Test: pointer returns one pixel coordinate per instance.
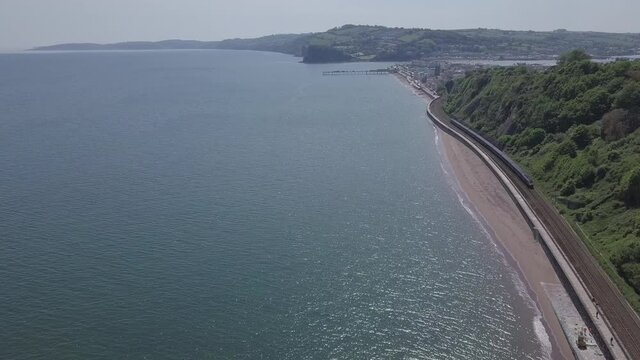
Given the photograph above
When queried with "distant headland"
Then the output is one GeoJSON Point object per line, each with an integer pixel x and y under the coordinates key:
{"type": "Point", "coordinates": [379, 43]}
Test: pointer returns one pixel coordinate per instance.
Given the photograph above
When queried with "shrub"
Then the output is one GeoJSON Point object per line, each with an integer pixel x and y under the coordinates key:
{"type": "Point", "coordinates": [584, 216]}
{"type": "Point", "coordinates": [634, 74]}
{"type": "Point", "coordinates": [567, 147]}
{"type": "Point", "coordinates": [614, 155]}
{"type": "Point", "coordinates": [573, 56]}
{"type": "Point", "coordinates": [568, 189]}
{"type": "Point", "coordinates": [505, 140]}
{"type": "Point", "coordinates": [581, 135]}
{"type": "Point", "coordinates": [631, 272]}
{"type": "Point", "coordinates": [628, 97]}
{"type": "Point", "coordinates": [586, 177]}
{"type": "Point", "coordinates": [549, 161]}
{"type": "Point", "coordinates": [631, 187]}
{"type": "Point", "coordinates": [530, 137]}
{"type": "Point", "coordinates": [628, 263]}
{"type": "Point", "coordinates": [602, 171]}
{"type": "Point", "coordinates": [619, 123]}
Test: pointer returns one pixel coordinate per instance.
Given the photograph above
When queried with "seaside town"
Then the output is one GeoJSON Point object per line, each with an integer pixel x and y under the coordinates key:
{"type": "Point", "coordinates": [434, 75]}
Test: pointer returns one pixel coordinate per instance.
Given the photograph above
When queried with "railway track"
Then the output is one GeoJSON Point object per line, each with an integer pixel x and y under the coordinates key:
{"type": "Point", "coordinates": [622, 319]}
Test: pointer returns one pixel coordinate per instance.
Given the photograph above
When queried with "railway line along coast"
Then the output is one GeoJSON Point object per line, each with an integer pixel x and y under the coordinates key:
{"type": "Point", "coordinates": [603, 307]}
{"type": "Point", "coordinates": [617, 324]}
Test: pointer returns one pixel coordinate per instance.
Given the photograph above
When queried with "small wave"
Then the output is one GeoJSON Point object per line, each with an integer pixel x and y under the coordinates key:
{"type": "Point", "coordinates": [538, 326]}
{"type": "Point", "coordinates": [543, 336]}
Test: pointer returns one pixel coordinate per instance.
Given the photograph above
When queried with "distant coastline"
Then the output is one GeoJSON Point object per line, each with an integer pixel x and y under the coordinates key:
{"type": "Point", "coordinates": [377, 43]}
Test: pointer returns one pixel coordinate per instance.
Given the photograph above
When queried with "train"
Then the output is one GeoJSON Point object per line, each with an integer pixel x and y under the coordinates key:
{"type": "Point", "coordinates": [499, 153]}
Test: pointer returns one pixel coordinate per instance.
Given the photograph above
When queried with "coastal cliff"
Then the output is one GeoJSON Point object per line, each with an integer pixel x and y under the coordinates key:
{"type": "Point", "coordinates": [575, 127]}
{"type": "Point", "coordinates": [323, 54]}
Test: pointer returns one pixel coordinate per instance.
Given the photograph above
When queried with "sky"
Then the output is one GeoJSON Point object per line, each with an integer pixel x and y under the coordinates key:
{"type": "Point", "coordinates": [28, 23]}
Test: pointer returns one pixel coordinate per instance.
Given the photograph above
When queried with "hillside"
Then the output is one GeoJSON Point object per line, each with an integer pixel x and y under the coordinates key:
{"type": "Point", "coordinates": [379, 43]}
{"type": "Point", "coordinates": [575, 127]}
{"type": "Point", "coordinates": [286, 43]}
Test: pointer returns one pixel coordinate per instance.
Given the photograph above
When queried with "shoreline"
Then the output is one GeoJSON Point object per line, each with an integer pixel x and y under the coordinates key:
{"type": "Point", "coordinates": [490, 204]}
{"type": "Point", "coordinates": [508, 229]}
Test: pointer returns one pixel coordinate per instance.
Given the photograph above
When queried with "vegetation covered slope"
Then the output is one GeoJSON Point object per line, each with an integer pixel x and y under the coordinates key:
{"type": "Point", "coordinates": [379, 43]}
{"type": "Point", "coordinates": [576, 128]}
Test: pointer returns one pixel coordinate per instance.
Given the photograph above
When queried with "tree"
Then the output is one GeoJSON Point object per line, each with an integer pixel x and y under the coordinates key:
{"type": "Point", "coordinates": [530, 137]}
{"type": "Point", "coordinates": [567, 147]}
{"type": "Point", "coordinates": [628, 97]}
{"type": "Point", "coordinates": [573, 56]}
{"type": "Point", "coordinates": [631, 187]}
{"type": "Point", "coordinates": [581, 135]}
{"type": "Point", "coordinates": [618, 123]}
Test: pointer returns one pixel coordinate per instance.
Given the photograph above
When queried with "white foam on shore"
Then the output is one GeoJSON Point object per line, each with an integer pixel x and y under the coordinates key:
{"type": "Point", "coordinates": [521, 288]}
{"type": "Point", "coordinates": [543, 336]}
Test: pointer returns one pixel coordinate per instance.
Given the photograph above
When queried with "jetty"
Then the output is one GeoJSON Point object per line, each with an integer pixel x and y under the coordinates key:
{"type": "Point", "coordinates": [358, 72]}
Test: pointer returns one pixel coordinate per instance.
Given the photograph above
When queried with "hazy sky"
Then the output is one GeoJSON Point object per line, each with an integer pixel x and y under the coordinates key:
{"type": "Point", "coordinates": [27, 23]}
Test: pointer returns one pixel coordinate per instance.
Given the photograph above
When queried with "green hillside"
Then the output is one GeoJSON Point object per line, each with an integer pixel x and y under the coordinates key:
{"type": "Point", "coordinates": [379, 43]}
{"type": "Point", "coordinates": [575, 127]}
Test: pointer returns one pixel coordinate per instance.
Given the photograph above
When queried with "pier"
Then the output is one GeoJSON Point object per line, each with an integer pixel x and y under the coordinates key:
{"type": "Point", "coordinates": [357, 72]}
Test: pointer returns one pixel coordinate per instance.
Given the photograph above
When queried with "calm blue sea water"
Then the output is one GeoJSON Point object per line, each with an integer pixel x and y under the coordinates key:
{"type": "Point", "coordinates": [212, 204]}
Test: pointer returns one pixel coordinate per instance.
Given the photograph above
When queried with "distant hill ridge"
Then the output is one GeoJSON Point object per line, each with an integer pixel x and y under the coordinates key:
{"type": "Point", "coordinates": [379, 43]}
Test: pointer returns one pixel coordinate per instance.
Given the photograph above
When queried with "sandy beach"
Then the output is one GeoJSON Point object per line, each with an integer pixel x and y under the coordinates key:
{"type": "Point", "coordinates": [492, 204]}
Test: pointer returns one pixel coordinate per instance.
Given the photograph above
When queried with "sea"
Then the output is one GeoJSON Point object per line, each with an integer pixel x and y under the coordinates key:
{"type": "Point", "coordinates": [237, 205]}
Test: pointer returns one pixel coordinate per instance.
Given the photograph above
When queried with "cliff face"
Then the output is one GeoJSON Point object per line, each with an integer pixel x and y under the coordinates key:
{"type": "Point", "coordinates": [323, 54]}
{"type": "Point", "coordinates": [575, 127]}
